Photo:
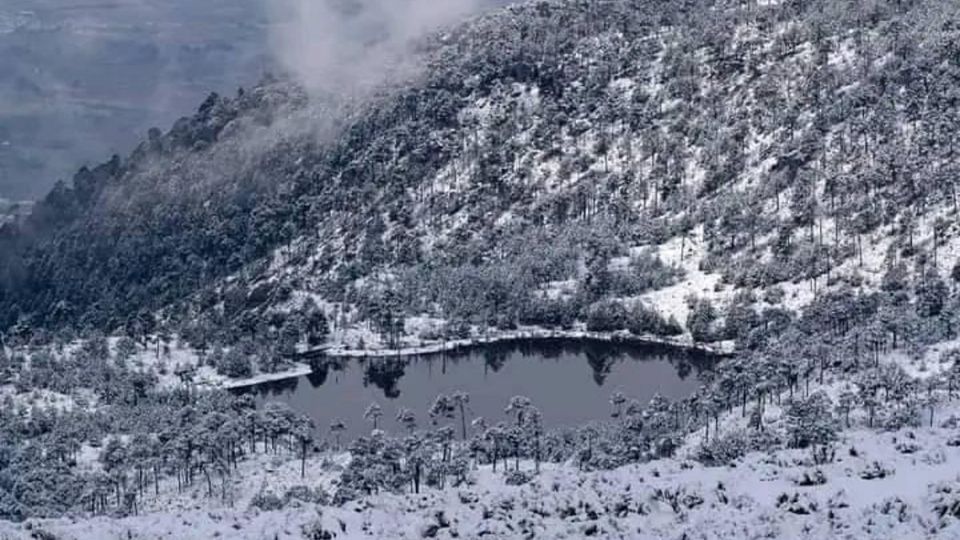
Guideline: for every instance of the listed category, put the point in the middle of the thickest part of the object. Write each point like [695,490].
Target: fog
[346,47]
[83,80]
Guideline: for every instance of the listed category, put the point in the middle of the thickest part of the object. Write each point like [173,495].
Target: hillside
[799,145]
[773,178]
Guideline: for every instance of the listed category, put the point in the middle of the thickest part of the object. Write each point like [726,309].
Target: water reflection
[570,381]
[385,374]
[494,358]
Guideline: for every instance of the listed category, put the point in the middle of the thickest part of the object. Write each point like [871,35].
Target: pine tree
[407,419]
[373,414]
[810,422]
[303,428]
[461,401]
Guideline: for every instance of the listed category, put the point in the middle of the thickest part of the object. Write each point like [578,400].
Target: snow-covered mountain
[774,177]
[787,148]
[83,80]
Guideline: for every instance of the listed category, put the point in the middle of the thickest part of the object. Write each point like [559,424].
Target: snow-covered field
[169,362]
[881,485]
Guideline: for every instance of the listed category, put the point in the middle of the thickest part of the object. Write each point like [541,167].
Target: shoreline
[298,370]
[622,337]
[301,368]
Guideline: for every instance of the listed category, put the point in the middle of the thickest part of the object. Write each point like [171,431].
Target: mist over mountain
[793,139]
[771,185]
[82,81]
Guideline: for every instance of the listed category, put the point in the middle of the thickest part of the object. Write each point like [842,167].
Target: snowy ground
[760,496]
[178,356]
[903,484]
[45,399]
[931,363]
[672,300]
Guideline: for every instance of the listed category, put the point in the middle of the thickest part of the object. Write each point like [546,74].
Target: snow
[263,473]
[178,355]
[759,496]
[672,300]
[750,489]
[44,399]
[298,369]
[930,365]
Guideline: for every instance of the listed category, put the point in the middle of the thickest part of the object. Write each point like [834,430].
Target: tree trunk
[416,478]
[206,475]
[303,459]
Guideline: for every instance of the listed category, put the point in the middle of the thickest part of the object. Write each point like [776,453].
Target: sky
[83,80]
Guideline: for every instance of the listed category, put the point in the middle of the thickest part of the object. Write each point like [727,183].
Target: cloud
[345,48]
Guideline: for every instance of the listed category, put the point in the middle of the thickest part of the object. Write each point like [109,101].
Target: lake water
[570,381]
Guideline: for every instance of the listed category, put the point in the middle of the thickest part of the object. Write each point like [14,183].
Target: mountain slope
[776,175]
[800,144]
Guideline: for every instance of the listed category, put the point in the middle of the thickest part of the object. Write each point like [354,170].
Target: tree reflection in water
[601,358]
[322,368]
[494,359]
[385,374]
[551,372]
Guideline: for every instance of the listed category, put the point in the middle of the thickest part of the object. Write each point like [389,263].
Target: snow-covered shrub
[266,501]
[548,312]
[456,329]
[810,421]
[37,533]
[430,334]
[468,497]
[643,320]
[645,272]
[811,478]
[801,504]
[679,499]
[907,447]
[874,471]
[900,415]
[235,364]
[559,444]
[824,453]
[896,507]
[701,320]
[774,295]
[723,450]
[305,494]
[314,530]
[517,478]
[606,316]
[946,500]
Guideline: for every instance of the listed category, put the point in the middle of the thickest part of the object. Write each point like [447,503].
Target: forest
[776,176]
[144,435]
[841,129]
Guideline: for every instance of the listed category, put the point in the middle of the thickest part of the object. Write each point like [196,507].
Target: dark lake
[569,380]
